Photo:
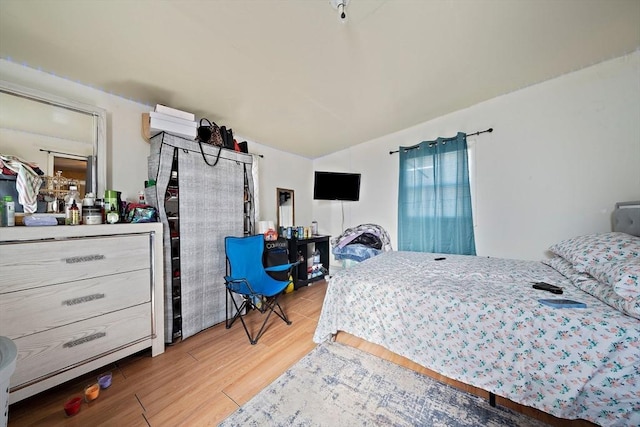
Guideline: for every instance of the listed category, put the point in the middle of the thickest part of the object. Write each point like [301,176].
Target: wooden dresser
[76,298]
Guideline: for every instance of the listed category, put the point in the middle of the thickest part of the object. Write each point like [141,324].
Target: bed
[479,321]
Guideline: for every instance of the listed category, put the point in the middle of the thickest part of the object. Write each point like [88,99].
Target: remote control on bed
[547,287]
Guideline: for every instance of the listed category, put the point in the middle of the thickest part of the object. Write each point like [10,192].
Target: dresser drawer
[62,348]
[41,263]
[29,311]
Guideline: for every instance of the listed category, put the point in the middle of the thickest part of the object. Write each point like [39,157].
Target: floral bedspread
[479,321]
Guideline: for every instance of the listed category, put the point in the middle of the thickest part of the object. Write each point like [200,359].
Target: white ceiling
[287,74]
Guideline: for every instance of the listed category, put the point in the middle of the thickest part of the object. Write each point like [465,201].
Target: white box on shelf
[159,125]
[169,117]
[175,112]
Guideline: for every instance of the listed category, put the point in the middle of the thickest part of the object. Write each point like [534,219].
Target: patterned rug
[338,385]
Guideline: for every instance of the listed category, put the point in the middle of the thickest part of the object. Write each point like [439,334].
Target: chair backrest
[244,255]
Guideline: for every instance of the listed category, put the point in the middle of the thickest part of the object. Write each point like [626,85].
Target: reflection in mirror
[285,202]
[73,168]
[56,134]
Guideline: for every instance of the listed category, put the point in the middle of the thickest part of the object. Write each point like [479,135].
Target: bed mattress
[478,320]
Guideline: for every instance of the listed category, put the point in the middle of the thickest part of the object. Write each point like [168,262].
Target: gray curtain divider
[211,207]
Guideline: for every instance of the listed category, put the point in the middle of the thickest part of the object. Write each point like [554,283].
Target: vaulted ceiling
[288,74]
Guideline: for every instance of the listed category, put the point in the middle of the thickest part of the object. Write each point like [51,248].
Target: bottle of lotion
[8,212]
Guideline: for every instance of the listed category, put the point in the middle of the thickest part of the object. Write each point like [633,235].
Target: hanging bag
[205,157]
[209,133]
[227,138]
[244,146]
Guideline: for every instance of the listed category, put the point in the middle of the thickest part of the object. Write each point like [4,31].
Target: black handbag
[244,146]
[209,133]
[204,157]
[227,138]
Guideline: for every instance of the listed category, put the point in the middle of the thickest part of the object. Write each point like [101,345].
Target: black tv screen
[336,186]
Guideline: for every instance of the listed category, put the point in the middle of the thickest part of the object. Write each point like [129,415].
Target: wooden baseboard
[383,353]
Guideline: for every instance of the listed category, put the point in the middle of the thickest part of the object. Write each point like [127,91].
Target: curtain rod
[66,154]
[469,134]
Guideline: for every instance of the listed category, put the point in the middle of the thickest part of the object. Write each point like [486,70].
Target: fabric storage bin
[8,188]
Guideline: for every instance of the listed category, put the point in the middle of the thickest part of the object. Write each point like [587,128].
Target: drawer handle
[83,340]
[84,258]
[80,300]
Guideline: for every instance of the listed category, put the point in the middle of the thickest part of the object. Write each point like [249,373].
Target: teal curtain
[434,199]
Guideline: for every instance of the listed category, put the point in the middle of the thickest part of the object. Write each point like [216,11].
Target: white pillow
[589,253]
[605,292]
[622,275]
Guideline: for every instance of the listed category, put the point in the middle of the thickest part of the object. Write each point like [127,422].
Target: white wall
[279,169]
[561,154]
[127,151]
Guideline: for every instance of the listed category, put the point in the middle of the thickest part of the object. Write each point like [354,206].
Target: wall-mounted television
[336,186]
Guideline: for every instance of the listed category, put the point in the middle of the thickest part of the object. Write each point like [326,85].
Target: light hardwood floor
[200,381]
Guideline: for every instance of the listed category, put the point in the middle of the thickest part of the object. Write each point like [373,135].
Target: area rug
[338,385]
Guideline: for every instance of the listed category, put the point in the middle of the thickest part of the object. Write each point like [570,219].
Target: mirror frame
[100,119]
[293,205]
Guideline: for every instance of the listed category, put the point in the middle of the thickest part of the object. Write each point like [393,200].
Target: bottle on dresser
[74,214]
[73,196]
[111,206]
[8,208]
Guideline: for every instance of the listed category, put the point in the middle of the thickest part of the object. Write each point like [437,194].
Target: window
[434,212]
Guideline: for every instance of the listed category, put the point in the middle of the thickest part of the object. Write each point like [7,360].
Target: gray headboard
[626,218]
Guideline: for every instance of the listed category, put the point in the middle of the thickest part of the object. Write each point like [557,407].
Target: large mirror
[285,203]
[62,137]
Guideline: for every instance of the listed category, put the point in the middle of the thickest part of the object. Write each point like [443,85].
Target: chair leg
[246,304]
[239,309]
[281,314]
[269,305]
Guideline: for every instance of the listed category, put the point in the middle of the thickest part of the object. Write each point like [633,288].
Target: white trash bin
[8,356]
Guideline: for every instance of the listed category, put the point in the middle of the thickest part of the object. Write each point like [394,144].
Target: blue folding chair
[248,278]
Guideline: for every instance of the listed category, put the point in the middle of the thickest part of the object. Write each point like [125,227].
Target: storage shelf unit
[248,206]
[198,204]
[302,246]
[172,207]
